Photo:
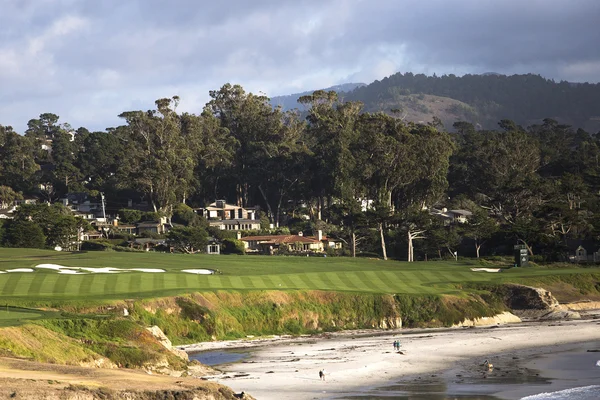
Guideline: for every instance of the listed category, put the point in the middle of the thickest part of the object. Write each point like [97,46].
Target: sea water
[214,358]
[580,393]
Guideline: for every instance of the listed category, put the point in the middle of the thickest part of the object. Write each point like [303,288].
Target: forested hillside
[371,179]
[488,98]
[290,101]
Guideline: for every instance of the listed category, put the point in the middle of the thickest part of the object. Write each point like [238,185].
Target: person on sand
[322,374]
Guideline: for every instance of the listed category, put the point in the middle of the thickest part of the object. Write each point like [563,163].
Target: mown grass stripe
[336,281]
[61,284]
[375,278]
[326,278]
[180,280]
[247,282]
[366,283]
[110,283]
[306,284]
[135,283]
[297,281]
[235,282]
[86,286]
[37,283]
[287,283]
[316,281]
[349,279]
[269,282]
[11,283]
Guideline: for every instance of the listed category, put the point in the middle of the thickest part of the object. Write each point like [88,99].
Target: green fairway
[11,316]
[239,273]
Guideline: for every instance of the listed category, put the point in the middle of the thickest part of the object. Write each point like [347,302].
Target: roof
[234,221]
[462,212]
[277,239]
[150,224]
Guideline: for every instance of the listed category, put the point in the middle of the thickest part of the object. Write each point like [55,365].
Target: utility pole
[103,207]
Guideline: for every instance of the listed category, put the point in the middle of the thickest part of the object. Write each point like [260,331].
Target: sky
[89,60]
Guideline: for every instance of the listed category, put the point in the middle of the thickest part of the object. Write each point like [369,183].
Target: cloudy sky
[89,60]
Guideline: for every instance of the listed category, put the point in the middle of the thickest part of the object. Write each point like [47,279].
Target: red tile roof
[277,239]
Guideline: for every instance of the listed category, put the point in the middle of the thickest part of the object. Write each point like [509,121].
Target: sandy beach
[360,363]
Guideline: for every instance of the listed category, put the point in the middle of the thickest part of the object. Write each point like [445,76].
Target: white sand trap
[146,270]
[20,270]
[71,272]
[2,272]
[486,269]
[51,266]
[103,270]
[199,271]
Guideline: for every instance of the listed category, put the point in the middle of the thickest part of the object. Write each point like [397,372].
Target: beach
[364,364]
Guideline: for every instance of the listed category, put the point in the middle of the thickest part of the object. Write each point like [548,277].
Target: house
[213,246]
[80,202]
[159,227]
[90,235]
[452,216]
[230,217]
[270,244]
[7,213]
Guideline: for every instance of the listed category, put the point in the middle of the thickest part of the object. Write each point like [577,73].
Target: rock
[164,340]
[503,318]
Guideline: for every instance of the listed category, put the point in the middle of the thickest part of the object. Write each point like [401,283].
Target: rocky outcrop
[499,319]
[535,303]
[164,340]
[390,323]
[583,305]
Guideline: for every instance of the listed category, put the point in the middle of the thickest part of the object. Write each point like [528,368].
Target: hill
[290,101]
[489,98]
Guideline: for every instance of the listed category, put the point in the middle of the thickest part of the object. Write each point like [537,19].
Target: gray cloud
[89,61]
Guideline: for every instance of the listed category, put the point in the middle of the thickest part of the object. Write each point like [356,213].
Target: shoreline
[359,361]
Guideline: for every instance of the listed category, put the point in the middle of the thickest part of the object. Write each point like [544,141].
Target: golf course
[160,275]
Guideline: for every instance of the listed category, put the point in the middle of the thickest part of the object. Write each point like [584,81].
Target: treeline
[521,98]
[369,179]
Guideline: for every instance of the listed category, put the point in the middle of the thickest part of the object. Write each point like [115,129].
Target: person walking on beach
[395,345]
[322,374]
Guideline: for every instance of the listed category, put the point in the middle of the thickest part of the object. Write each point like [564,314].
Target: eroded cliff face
[530,303]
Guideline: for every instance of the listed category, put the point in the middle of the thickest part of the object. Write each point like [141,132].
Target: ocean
[580,393]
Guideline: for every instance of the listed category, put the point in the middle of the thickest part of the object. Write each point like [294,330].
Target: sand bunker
[71,272]
[104,270]
[486,269]
[51,266]
[146,270]
[61,269]
[199,271]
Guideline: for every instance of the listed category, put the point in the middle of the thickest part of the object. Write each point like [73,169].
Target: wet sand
[434,363]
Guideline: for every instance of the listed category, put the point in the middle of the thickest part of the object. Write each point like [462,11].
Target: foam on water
[580,393]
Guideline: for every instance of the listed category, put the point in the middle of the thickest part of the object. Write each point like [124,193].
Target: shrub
[232,246]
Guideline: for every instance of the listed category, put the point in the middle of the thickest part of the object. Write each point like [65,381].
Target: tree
[8,196]
[187,239]
[480,227]
[162,155]
[26,234]
[17,162]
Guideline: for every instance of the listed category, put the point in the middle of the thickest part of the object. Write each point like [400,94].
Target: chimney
[319,235]
[300,233]
[238,235]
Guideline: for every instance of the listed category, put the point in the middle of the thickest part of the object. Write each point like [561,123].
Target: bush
[96,245]
[232,246]
[23,233]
